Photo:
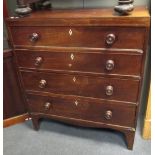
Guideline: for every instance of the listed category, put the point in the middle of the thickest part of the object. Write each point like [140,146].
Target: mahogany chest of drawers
[83,67]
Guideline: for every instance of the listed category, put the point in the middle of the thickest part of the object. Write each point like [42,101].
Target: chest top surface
[84,17]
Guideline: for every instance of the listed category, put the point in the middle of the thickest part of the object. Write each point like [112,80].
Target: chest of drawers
[83,67]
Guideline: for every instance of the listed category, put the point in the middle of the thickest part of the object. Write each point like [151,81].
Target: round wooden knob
[47,105]
[38,61]
[42,83]
[108,114]
[34,37]
[110,39]
[109,90]
[110,65]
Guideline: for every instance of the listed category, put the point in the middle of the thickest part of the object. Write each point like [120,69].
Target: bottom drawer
[82,108]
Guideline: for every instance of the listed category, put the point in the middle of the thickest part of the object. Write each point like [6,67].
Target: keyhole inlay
[76,103]
[74,78]
[70,32]
[72,56]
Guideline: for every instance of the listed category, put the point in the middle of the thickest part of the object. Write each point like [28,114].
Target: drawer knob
[108,114]
[34,37]
[38,61]
[109,90]
[47,105]
[42,83]
[110,65]
[110,39]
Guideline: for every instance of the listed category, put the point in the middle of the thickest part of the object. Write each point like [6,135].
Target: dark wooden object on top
[83,67]
[13,104]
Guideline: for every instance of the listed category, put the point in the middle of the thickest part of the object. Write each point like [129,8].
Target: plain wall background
[97,4]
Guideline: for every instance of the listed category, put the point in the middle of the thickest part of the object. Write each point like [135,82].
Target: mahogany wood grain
[77,39]
[83,61]
[84,17]
[85,109]
[80,37]
[13,104]
[5,9]
[128,131]
[89,86]
[129,135]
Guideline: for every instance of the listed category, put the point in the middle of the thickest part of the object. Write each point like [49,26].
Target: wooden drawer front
[80,61]
[108,112]
[98,87]
[78,36]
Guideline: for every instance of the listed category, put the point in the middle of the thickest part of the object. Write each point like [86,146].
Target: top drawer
[100,37]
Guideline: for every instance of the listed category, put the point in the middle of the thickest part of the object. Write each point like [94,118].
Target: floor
[55,138]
